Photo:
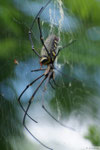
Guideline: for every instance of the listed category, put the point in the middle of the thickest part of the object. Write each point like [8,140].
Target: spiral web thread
[52,14]
[58,5]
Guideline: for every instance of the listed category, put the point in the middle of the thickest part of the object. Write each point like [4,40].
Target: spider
[47,57]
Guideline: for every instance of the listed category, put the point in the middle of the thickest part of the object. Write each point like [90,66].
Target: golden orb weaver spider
[48,55]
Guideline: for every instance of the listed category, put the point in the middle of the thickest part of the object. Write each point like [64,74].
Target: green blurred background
[79,92]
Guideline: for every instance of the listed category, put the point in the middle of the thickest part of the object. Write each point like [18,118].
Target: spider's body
[51,44]
[49,52]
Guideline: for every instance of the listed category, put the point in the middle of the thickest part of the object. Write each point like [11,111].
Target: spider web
[69,103]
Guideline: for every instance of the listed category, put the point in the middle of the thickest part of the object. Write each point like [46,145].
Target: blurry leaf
[87,10]
[7,47]
[94,135]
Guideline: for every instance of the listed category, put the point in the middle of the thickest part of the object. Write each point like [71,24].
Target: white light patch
[55,136]
[61,16]
[55,16]
[94,33]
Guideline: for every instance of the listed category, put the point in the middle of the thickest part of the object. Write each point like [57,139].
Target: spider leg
[30,38]
[24,92]
[56,119]
[55,83]
[39,13]
[24,118]
[41,36]
[71,42]
[43,106]
[51,85]
[30,31]
[42,69]
[60,72]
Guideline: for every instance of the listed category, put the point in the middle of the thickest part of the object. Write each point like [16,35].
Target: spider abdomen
[51,44]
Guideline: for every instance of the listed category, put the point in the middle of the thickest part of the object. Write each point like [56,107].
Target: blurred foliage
[14,44]
[94,135]
[9,123]
[76,93]
[85,50]
[86,10]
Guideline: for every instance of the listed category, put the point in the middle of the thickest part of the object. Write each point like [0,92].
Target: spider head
[44,60]
[56,39]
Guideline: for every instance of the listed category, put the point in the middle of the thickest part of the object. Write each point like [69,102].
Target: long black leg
[30,31]
[23,93]
[55,83]
[42,69]
[56,119]
[39,13]
[30,101]
[41,36]
[43,106]
[51,85]
[30,38]
[60,72]
[71,42]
